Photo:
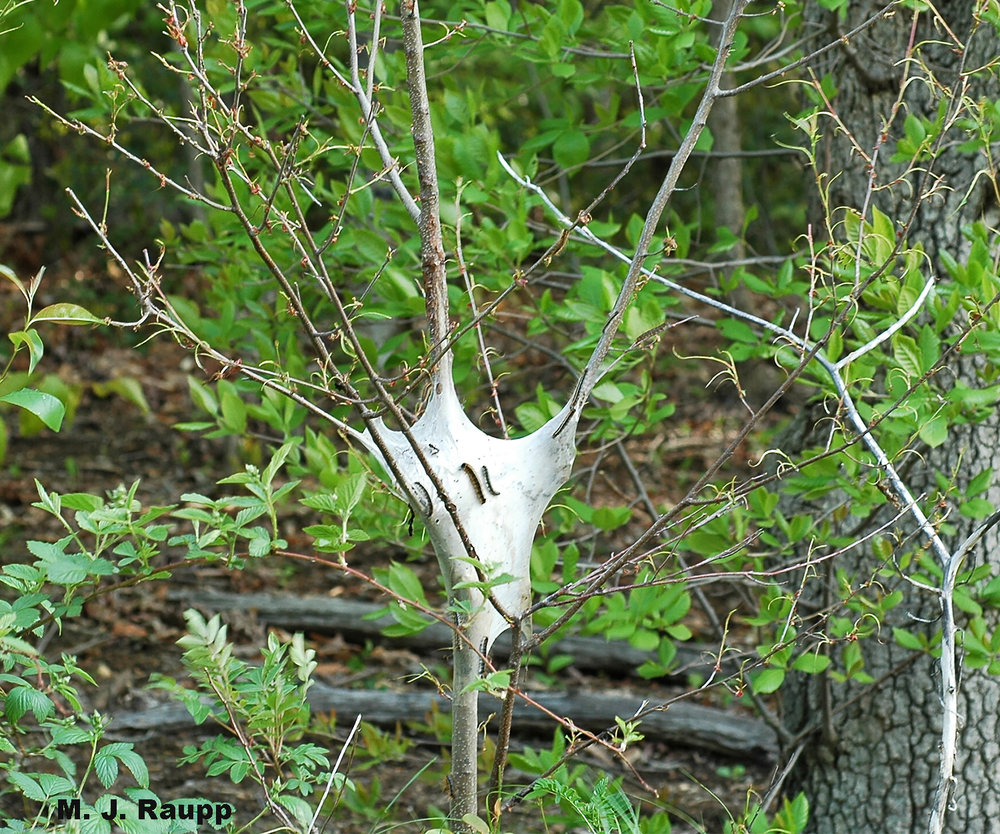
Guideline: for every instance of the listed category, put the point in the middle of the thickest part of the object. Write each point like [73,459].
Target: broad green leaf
[202,396]
[767,681]
[811,663]
[44,406]
[934,432]
[498,14]
[66,313]
[126,387]
[106,767]
[22,699]
[907,355]
[571,149]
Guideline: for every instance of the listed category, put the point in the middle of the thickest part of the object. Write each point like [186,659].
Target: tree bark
[871,761]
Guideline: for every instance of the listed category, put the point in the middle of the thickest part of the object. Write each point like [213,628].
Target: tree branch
[435,279]
[593,371]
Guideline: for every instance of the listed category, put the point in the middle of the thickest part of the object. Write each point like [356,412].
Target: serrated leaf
[29,786]
[299,808]
[105,768]
[22,699]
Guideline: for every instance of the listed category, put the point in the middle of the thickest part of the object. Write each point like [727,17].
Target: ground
[126,636]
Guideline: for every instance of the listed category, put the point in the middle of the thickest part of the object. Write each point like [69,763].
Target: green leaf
[8,273]
[980,483]
[572,148]
[29,786]
[907,639]
[126,387]
[767,681]
[44,406]
[202,396]
[976,508]
[66,313]
[21,699]
[934,432]
[811,663]
[907,354]
[234,411]
[571,14]
[611,518]
[106,767]
[33,342]
[300,809]
[738,331]
[82,501]
[498,14]
[15,168]
[277,461]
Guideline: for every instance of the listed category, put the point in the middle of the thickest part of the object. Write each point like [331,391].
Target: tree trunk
[871,762]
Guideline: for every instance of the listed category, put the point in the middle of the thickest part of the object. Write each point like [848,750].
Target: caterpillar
[476,486]
[426,505]
[482,656]
[489,485]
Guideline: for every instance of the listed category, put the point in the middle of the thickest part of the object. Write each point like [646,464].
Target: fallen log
[681,724]
[355,621]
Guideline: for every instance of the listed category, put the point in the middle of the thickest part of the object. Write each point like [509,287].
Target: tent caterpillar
[476,486]
[482,655]
[489,484]
[424,497]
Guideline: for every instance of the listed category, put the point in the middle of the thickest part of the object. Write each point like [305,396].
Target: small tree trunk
[466,665]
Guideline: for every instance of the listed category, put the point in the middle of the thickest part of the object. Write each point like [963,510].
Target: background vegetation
[250,175]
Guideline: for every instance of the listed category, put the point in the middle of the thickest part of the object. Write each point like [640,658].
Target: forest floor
[125,637]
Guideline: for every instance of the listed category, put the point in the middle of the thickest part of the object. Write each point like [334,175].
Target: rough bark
[871,763]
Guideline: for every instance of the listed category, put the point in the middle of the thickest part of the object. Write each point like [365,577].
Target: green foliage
[554,110]
[608,810]
[54,749]
[45,401]
[263,706]
[16,169]
[790,819]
